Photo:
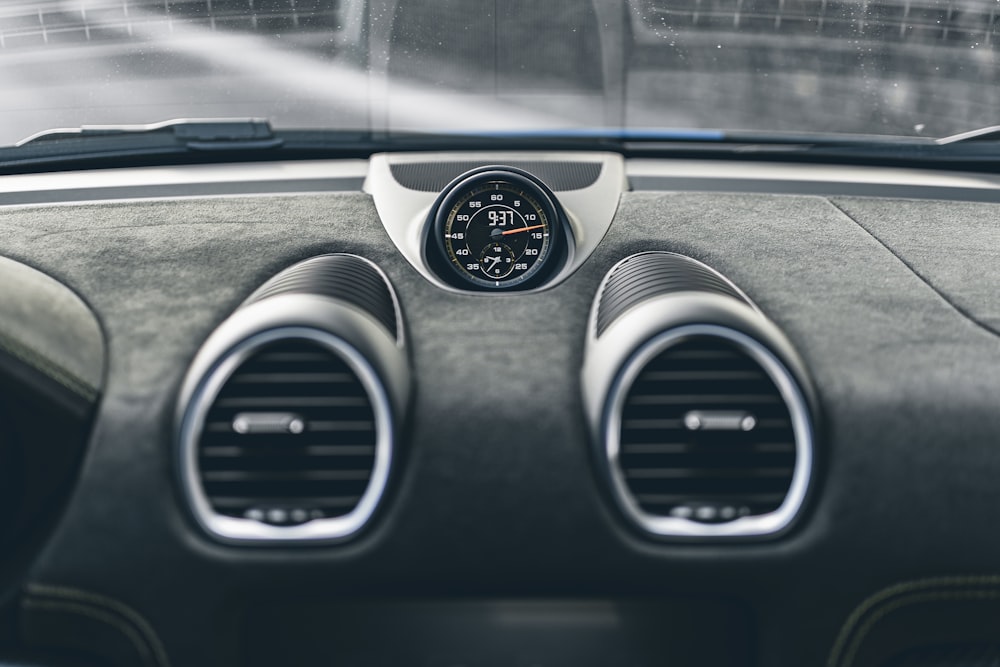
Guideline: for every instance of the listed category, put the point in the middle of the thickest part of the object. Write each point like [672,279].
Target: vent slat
[713,450]
[283,476]
[704,399]
[287,378]
[678,424]
[313,426]
[699,354]
[277,476]
[703,375]
[334,426]
[242,503]
[229,451]
[266,490]
[672,468]
[261,403]
[674,499]
[294,356]
[706,473]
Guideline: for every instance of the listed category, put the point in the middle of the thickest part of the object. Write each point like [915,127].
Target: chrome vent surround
[287,418]
[701,430]
[290,437]
[700,407]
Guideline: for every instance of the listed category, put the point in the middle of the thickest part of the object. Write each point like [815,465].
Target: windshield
[880,67]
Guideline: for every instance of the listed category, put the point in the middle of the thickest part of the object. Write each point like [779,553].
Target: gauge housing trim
[404,212]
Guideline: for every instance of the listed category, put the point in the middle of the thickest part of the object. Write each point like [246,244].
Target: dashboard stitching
[960,310]
[83,610]
[909,593]
[76,601]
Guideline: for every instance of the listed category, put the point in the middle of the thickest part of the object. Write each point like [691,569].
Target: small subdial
[497,260]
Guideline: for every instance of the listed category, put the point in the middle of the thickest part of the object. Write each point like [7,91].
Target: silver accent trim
[763,524]
[711,170]
[201,174]
[243,530]
[404,212]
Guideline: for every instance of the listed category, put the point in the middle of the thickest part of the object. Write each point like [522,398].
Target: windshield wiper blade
[988,133]
[228,134]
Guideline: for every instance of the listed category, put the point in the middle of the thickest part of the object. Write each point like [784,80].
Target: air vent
[288,416]
[708,435]
[289,439]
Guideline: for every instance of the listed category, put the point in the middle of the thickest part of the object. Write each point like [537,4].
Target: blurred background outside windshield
[903,67]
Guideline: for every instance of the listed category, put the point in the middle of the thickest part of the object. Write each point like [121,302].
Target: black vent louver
[290,437]
[706,434]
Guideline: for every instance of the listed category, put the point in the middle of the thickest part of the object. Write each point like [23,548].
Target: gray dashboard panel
[951,245]
[905,382]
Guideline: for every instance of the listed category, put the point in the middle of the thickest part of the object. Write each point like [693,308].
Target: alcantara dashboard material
[907,386]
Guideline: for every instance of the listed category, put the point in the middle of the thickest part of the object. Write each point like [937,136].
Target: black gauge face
[497,231]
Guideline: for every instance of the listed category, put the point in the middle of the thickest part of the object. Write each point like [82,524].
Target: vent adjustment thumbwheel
[290,410]
[699,406]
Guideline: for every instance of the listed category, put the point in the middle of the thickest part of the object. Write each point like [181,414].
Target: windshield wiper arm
[227,134]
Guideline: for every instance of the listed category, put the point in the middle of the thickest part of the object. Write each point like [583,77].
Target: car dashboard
[503,494]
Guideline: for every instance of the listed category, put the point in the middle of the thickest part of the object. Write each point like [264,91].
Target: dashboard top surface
[888,301]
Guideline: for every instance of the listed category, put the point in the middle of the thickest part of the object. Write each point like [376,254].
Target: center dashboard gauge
[496,228]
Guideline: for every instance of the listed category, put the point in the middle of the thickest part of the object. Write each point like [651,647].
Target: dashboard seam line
[133,635]
[944,297]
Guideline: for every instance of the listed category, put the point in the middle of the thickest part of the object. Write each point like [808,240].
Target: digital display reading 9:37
[497,233]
